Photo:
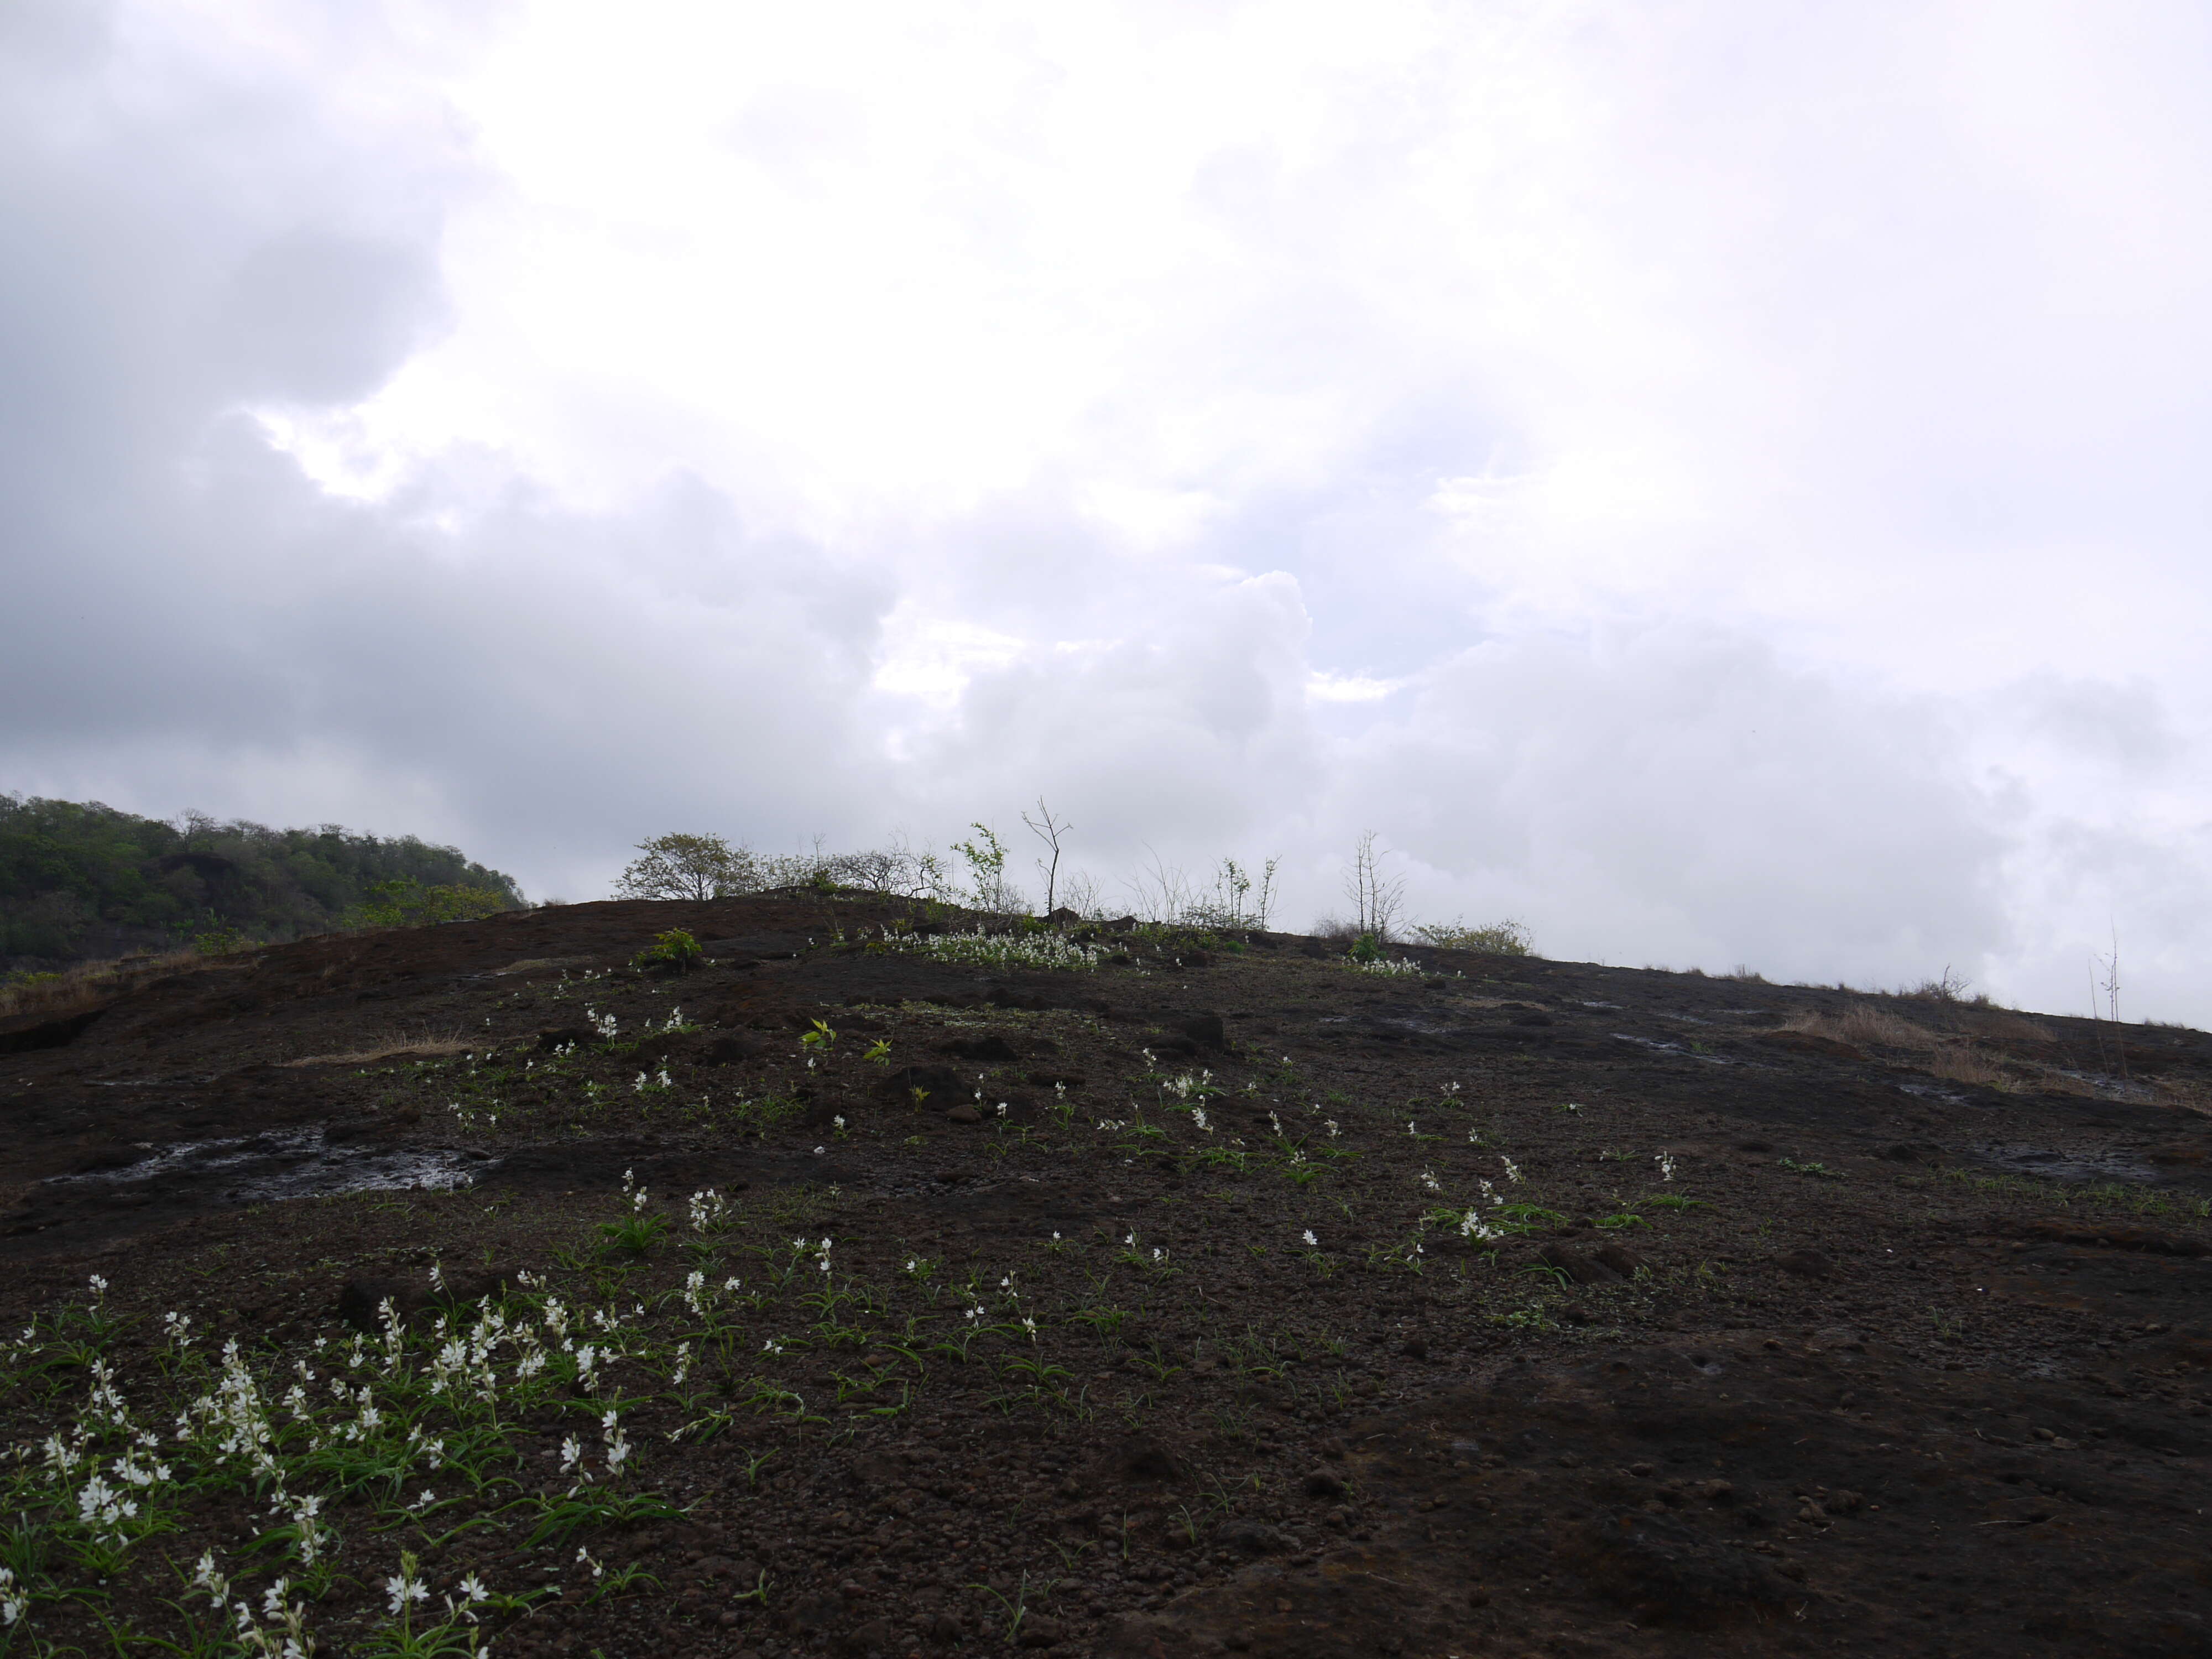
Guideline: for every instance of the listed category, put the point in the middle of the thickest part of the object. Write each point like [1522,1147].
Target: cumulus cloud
[1681,479]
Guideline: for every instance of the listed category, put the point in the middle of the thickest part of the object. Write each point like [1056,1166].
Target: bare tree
[1376,899]
[1162,892]
[1079,892]
[1049,831]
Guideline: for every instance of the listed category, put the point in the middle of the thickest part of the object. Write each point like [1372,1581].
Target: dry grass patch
[1955,1062]
[2001,1025]
[75,988]
[1863,1026]
[423,1046]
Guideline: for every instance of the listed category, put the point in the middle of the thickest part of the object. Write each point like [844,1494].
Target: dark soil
[1876,1359]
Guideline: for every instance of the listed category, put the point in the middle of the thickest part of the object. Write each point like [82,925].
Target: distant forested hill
[81,880]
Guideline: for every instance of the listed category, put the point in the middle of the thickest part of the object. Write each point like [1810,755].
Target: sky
[1722,484]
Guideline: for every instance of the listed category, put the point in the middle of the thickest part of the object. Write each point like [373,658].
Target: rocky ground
[1148,1294]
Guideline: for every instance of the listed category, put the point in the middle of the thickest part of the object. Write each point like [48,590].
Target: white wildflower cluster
[232,1419]
[982,950]
[700,1296]
[15,1601]
[1473,1224]
[1512,1171]
[1187,1085]
[615,1444]
[1665,1163]
[710,1212]
[462,1362]
[1388,965]
[602,1023]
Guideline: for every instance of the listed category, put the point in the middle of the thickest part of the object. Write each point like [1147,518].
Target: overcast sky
[1721,482]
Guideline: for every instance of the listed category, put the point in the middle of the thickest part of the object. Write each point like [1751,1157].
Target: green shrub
[408,903]
[1499,939]
[218,938]
[674,950]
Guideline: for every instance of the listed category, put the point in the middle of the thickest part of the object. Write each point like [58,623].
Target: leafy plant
[674,951]
[1818,1171]
[1498,939]
[634,1234]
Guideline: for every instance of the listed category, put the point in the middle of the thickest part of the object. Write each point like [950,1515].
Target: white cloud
[1723,483]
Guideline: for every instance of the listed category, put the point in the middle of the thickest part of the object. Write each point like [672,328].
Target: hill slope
[1175,1300]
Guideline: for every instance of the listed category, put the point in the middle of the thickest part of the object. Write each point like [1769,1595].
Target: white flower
[1312,1243]
[403,1590]
[1512,1171]
[473,1590]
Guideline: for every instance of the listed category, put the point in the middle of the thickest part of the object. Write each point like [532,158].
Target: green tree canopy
[81,879]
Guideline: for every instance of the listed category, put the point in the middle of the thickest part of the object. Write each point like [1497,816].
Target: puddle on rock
[1675,1049]
[2067,1166]
[2106,1087]
[290,1163]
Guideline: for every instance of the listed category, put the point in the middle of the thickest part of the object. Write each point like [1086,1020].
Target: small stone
[1250,1538]
[963,1114]
[873,1636]
[1323,1483]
